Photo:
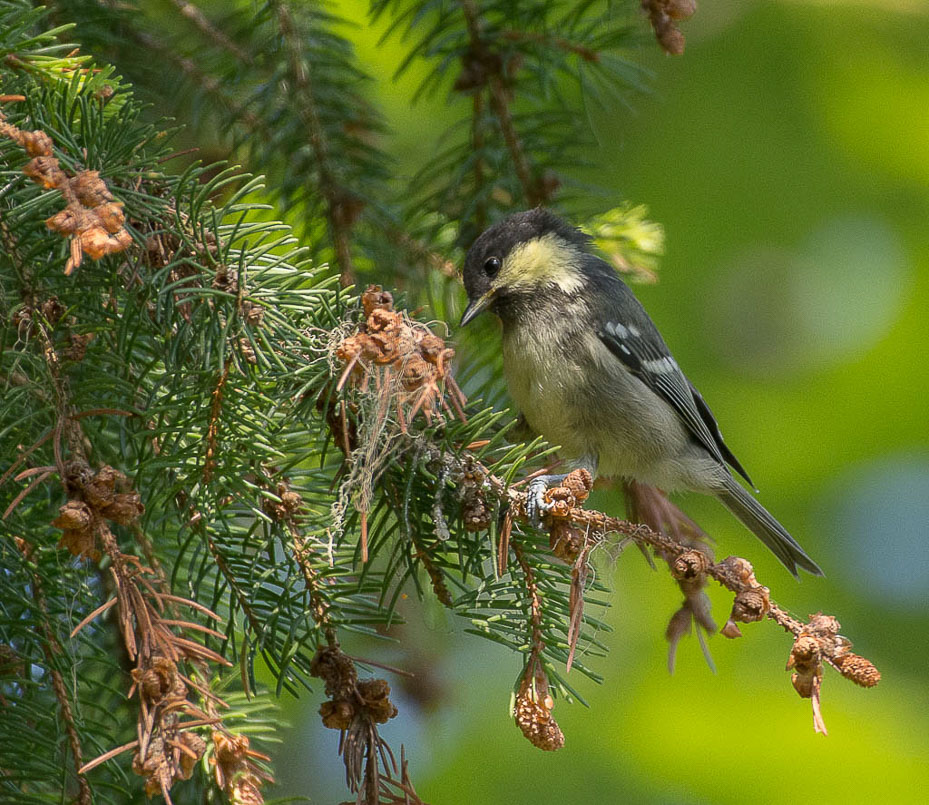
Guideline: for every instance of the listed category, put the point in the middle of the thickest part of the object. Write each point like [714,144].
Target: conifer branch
[339,209]
[477,146]
[489,65]
[191,12]
[210,84]
[52,648]
[534,194]
[588,54]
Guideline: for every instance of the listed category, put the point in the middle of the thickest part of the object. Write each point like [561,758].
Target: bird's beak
[476,307]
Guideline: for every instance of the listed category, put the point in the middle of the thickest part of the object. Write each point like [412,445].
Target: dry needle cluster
[105,494]
[399,369]
[356,707]
[167,660]
[92,217]
[170,663]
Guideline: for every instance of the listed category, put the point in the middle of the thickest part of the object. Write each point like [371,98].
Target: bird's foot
[536,505]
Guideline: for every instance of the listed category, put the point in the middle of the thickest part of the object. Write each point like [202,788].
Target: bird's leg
[536,505]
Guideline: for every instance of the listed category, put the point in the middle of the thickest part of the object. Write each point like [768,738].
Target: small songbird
[590,372]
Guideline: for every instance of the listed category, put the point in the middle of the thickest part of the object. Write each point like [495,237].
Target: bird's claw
[536,504]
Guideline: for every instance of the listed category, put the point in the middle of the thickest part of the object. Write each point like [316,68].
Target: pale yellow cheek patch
[543,261]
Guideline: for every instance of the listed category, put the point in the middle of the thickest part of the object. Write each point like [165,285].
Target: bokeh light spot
[879,517]
[795,311]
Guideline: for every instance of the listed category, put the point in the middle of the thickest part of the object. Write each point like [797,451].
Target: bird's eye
[492,266]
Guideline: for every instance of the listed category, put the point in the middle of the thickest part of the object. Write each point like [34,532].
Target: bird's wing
[643,352]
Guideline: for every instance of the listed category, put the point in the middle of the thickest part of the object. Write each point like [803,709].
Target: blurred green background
[787,156]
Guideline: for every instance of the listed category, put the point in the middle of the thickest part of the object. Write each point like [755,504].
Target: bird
[589,371]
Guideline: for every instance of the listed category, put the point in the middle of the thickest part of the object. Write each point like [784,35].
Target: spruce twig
[338,209]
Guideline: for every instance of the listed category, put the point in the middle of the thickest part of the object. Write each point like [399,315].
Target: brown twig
[817,640]
[51,647]
[200,21]
[535,602]
[338,212]
[212,432]
[690,565]
[500,103]
[553,41]
[533,709]
[319,607]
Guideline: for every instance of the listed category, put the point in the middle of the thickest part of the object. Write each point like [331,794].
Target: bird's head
[527,254]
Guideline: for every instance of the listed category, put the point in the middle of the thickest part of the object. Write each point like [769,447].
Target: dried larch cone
[74,515]
[533,714]
[125,508]
[37,143]
[806,661]
[376,298]
[475,513]
[192,749]
[573,490]
[159,680]
[154,767]
[75,518]
[77,346]
[351,699]
[337,714]
[690,565]
[337,670]
[663,15]
[566,540]
[750,605]
[415,361]
[90,189]
[375,693]
[236,773]
[288,509]
[859,670]
[92,217]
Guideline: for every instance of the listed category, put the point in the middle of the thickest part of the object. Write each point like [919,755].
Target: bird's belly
[584,400]
[545,389]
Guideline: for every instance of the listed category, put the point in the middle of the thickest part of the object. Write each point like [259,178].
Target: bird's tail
[760,522]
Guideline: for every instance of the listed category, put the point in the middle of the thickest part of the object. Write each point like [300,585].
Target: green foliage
[203,362]
[511,70]
[137,348]
[199,362]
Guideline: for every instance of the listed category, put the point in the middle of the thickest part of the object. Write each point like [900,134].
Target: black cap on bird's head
[499,261]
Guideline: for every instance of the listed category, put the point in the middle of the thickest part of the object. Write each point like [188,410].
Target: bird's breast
[545,379]
[576,394]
